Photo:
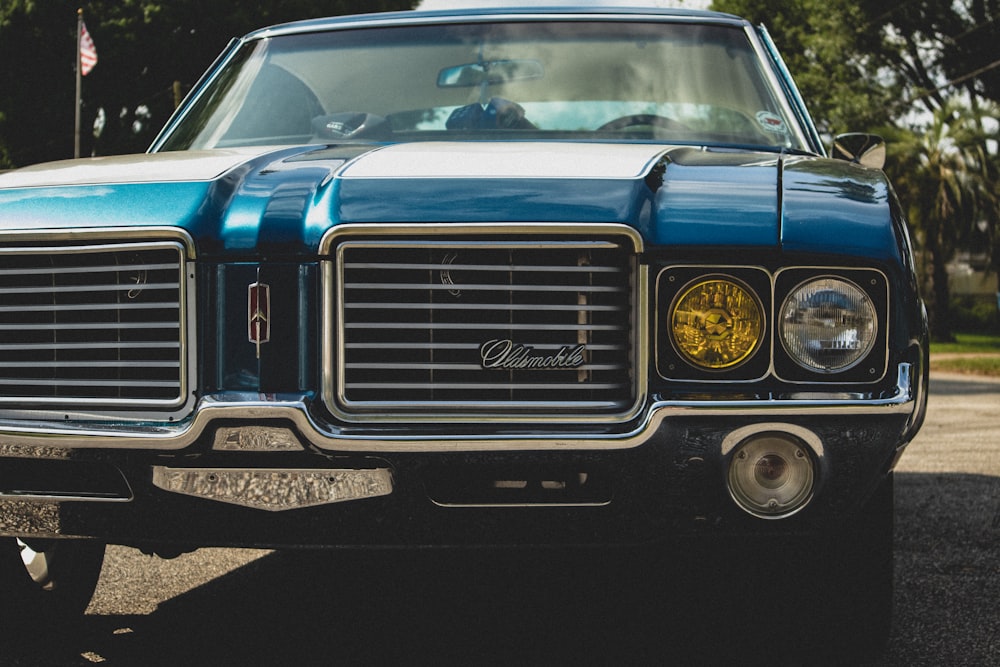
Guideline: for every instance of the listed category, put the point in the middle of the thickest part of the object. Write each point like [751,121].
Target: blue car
[508,278]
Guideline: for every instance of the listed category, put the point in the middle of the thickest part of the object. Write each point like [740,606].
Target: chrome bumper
[26,438]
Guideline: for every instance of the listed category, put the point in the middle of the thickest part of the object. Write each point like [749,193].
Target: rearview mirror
[489,72]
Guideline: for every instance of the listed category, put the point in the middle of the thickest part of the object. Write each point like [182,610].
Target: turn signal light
[771,476]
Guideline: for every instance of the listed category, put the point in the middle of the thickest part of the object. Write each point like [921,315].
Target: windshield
[677,82]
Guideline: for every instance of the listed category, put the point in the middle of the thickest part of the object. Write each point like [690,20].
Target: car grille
[92,325]
[507,327]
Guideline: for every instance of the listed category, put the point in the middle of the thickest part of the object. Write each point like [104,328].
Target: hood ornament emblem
[259,314]
[446,278]
[139,281]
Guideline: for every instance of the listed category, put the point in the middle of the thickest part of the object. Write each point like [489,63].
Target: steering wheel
[640,119]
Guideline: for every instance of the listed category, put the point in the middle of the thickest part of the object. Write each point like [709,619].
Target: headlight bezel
[871,366]
[770,358]
[672,284]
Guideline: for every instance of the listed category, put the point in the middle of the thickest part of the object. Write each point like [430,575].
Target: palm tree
[946,179]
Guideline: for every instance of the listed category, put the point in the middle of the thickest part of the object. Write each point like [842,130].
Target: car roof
[506,11]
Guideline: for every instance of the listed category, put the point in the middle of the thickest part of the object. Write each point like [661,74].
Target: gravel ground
[947,608]
[247,607]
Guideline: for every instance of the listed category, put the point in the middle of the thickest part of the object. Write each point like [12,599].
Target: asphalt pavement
[947,608]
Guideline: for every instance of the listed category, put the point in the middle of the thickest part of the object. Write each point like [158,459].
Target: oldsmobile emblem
[259,314]
[505,354]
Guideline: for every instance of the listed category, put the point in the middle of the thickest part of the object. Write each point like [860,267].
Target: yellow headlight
[716,323]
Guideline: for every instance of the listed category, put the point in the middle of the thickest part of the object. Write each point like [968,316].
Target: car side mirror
[868,150]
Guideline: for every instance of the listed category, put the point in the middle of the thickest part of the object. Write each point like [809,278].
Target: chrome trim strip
[463,16]
[430,229]
[784,78]
[83,327]
[87,269]
[67,498]
[294,409]
[88,307]
[502,506]
[92,234]
[813,441]
[777,84]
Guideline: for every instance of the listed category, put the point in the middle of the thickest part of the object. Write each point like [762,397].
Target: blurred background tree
[949,182]
[143,47]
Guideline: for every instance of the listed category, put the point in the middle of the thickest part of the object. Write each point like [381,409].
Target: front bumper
[908,397]
[663,478]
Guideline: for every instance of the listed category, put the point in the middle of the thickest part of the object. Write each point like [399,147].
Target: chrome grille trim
[97,321]
[416,356]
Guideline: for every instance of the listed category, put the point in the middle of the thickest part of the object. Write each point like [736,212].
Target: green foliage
[969,343]
[143,47]
[832,53]
[923,73]
[986,365]
[940,48]
[848,54]
[30,104]
[946,180]
[976,313]
[969,353]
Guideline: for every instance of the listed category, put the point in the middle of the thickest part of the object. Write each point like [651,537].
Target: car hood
[249,201]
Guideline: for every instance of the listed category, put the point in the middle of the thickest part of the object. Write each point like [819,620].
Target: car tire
[45,584]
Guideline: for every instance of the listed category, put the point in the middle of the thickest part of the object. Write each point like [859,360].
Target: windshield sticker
[771,122]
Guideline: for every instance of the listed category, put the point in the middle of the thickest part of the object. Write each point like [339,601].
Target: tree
[944,56]
[30,106]
[939,48]
[946,180]
[931,72]
[832,53]
[143,46]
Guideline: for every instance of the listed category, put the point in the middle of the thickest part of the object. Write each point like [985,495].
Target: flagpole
[76,132]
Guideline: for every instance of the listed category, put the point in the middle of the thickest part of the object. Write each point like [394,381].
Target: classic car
[491,277]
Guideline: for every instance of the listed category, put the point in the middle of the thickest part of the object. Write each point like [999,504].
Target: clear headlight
[828,325]
[716,323]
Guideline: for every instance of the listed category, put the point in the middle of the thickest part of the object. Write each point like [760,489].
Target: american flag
[88,52]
